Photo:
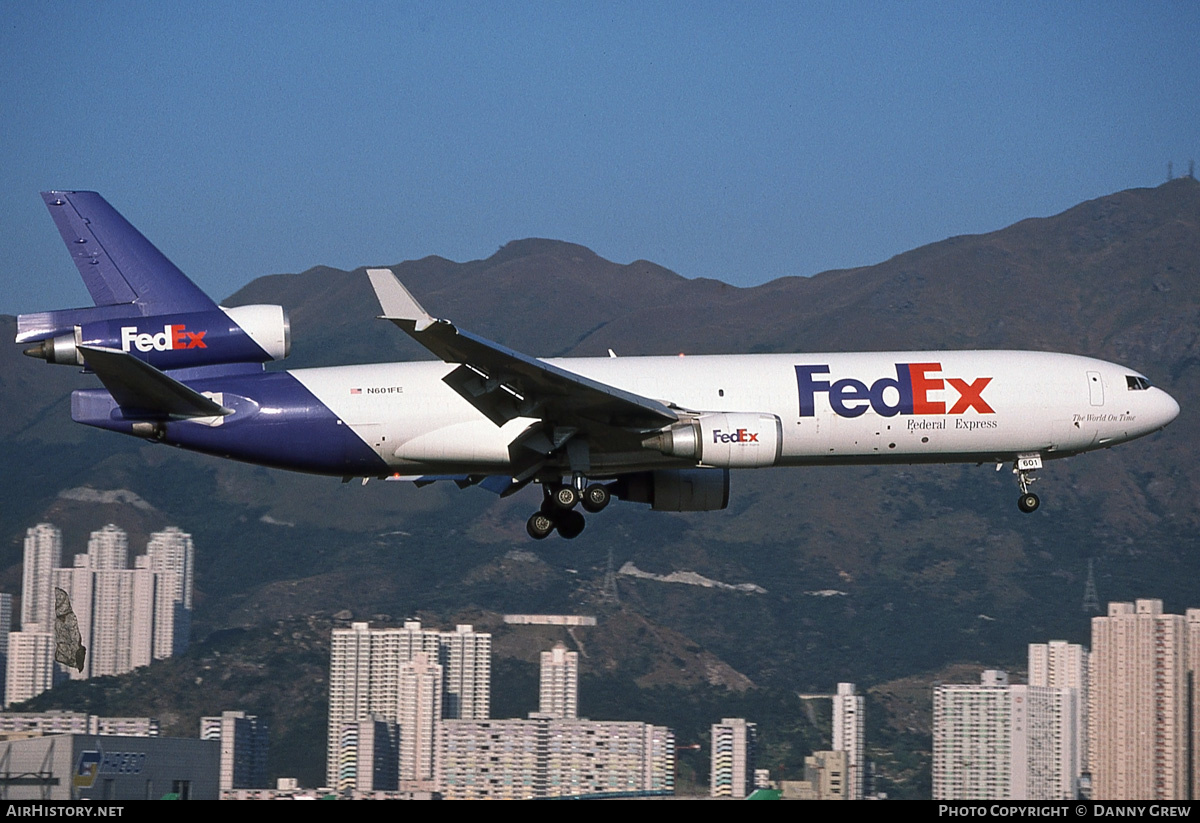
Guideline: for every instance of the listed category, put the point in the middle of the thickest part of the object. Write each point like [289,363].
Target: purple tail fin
[122,270]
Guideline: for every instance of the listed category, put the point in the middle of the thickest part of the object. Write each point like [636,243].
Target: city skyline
[127,616]
[444,675]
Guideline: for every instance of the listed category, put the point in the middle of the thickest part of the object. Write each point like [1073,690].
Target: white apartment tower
[1139,710]
[43,554]
[1062,665]
[558,693]
[553,757]
[466,657]
[420,715]
[113,604]
[972,740]
[733,755]
[849,734]
[5,629]
[365,681]
[171,555]
[127,617]
[1192,622]
[30,669]
[995,741]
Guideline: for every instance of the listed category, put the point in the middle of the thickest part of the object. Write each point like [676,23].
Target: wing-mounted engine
[676,490]
[735,440]
[244,334]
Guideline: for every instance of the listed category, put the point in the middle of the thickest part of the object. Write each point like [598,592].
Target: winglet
[396,301]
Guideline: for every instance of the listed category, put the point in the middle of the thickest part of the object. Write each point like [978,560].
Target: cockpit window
[1135,383]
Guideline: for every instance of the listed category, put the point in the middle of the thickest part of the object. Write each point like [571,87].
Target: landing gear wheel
[570,524]
[1028,502]
[539,525]
[596,497]
[565,497]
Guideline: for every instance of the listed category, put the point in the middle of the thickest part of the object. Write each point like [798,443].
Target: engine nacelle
[735,440]
[244,334]
[676,490]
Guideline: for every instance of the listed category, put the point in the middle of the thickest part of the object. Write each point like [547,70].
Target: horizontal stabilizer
[45,324]
[143,391]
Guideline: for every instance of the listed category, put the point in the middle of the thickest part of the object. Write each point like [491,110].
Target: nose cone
[1163,409]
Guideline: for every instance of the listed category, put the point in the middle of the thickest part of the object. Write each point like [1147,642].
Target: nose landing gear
[558,508]
[1023,468]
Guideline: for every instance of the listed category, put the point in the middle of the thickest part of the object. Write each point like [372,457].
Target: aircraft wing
[504,384]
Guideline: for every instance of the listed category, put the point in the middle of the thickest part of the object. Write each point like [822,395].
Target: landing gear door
[1095,388]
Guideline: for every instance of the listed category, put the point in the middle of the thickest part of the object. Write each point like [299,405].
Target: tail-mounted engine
[734,440]
[245,334]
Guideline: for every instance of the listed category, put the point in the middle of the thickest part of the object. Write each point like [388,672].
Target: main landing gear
[558,508]
[1023,468]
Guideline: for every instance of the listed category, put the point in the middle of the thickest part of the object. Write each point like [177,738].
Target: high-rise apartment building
[5,629]
[129,617]
[243,749]
[1062,665]
[972,740]
[996,741]
[368,756]
[553,757]
[420,714]
[113,604]
[108,549]
[171,555]
[43,554]
[849,735]
[31,668]
[366,683]
[466,657]
[1139,709]
[558,692]
[734,745]
[126,617]
[1192,623]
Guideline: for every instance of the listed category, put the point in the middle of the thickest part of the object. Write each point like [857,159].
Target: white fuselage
[831,408]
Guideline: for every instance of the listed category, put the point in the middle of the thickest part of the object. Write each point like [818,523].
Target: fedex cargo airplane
[665,431]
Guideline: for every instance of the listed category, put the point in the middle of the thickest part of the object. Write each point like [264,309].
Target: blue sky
[738,141]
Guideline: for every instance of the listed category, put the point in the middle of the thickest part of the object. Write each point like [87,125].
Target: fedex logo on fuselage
[170,338]
[910,390]
[739,436]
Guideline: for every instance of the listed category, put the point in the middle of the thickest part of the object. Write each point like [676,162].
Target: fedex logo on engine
[739,436]
[170,338]
[909,392]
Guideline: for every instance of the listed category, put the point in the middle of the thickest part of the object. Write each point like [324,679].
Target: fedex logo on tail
[170,338]
[910,392]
